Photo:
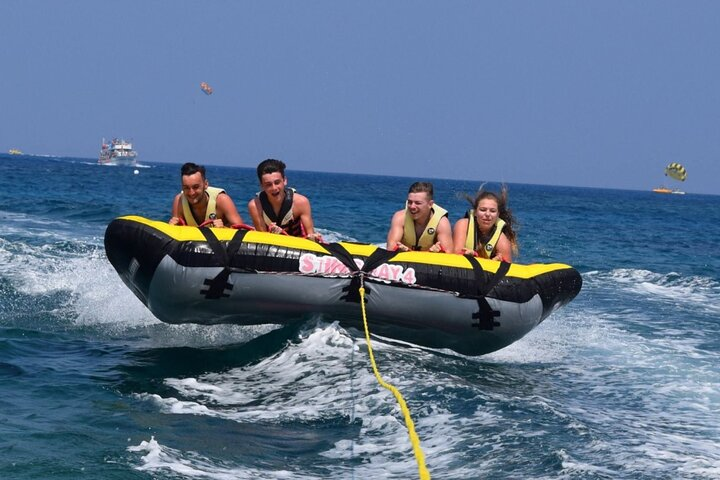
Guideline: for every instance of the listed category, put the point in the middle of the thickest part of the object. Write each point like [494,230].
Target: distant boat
[676,171]
[14,151]
[117,152]
[668,190]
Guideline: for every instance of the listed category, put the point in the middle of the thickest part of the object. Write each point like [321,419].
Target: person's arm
[177,217]
[460,236]
[443,237]
[227,212]
[301,208]
[395,234]
[503,249]
[255,211]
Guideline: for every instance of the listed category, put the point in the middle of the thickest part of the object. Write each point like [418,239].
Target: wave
[697,293]
[324,378]
[321,381]
[157,458]
[63,282]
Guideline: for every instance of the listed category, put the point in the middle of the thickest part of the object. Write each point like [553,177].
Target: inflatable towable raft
[209,276]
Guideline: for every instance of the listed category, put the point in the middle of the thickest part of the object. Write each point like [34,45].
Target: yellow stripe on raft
[193,234]
[459,261]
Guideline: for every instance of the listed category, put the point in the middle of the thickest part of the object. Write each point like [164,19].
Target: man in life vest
[422,225]
[279,208]
[198,203]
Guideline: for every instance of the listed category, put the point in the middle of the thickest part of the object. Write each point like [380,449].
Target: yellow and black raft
[209,276]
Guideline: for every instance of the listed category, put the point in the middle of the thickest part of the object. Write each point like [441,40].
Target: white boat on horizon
[117,152]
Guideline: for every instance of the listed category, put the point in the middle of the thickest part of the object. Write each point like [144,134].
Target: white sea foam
[649,384]
[629,380]
[159,458]
[695,292]
[89,294]
[573,468]
[551,341]
[324,376]
[310,381]
[262,389]
[93,292]
[17,223]
[331,236]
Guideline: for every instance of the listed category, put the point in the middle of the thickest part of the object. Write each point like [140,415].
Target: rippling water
[621,383]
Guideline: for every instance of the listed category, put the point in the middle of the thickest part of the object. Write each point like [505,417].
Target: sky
[582,93]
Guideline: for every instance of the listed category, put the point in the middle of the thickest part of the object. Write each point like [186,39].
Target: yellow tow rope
[419,455]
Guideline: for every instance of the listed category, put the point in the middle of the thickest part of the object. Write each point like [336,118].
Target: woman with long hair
[488,228]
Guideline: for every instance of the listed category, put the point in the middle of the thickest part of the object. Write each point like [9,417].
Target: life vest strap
[284,218]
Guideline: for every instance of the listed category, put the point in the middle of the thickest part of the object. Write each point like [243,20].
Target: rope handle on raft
[282,231]
[242,226]
[417,449]
[211,218]
[407,249]
[499,257]
[236,226]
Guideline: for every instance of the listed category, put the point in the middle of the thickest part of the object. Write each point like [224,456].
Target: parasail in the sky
[206,88]
[676,171]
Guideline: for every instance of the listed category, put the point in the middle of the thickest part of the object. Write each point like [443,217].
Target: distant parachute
[206,88]
[676,171]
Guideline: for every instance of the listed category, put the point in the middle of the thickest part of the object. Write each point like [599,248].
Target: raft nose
[558,288]
[135,253]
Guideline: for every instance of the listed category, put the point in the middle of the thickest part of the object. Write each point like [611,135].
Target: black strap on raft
[377,258]
[339,252]
[485,314]
[352,291]
[221,255]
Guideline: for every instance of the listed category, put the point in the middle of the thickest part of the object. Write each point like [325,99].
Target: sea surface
[622,383]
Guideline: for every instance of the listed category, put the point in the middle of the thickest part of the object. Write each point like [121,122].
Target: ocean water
[624,382]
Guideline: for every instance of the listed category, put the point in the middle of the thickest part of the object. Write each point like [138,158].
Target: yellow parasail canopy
[676,171]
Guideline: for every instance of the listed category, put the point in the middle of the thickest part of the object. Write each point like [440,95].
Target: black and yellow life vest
[284,218]
[212,193]
[427,239]
[474,238]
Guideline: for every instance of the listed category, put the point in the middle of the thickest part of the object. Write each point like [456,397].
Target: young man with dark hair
[279,208]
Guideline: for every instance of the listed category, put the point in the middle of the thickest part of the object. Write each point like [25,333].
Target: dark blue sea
[622,383]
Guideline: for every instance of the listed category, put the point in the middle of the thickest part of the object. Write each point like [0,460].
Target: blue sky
[586,93]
